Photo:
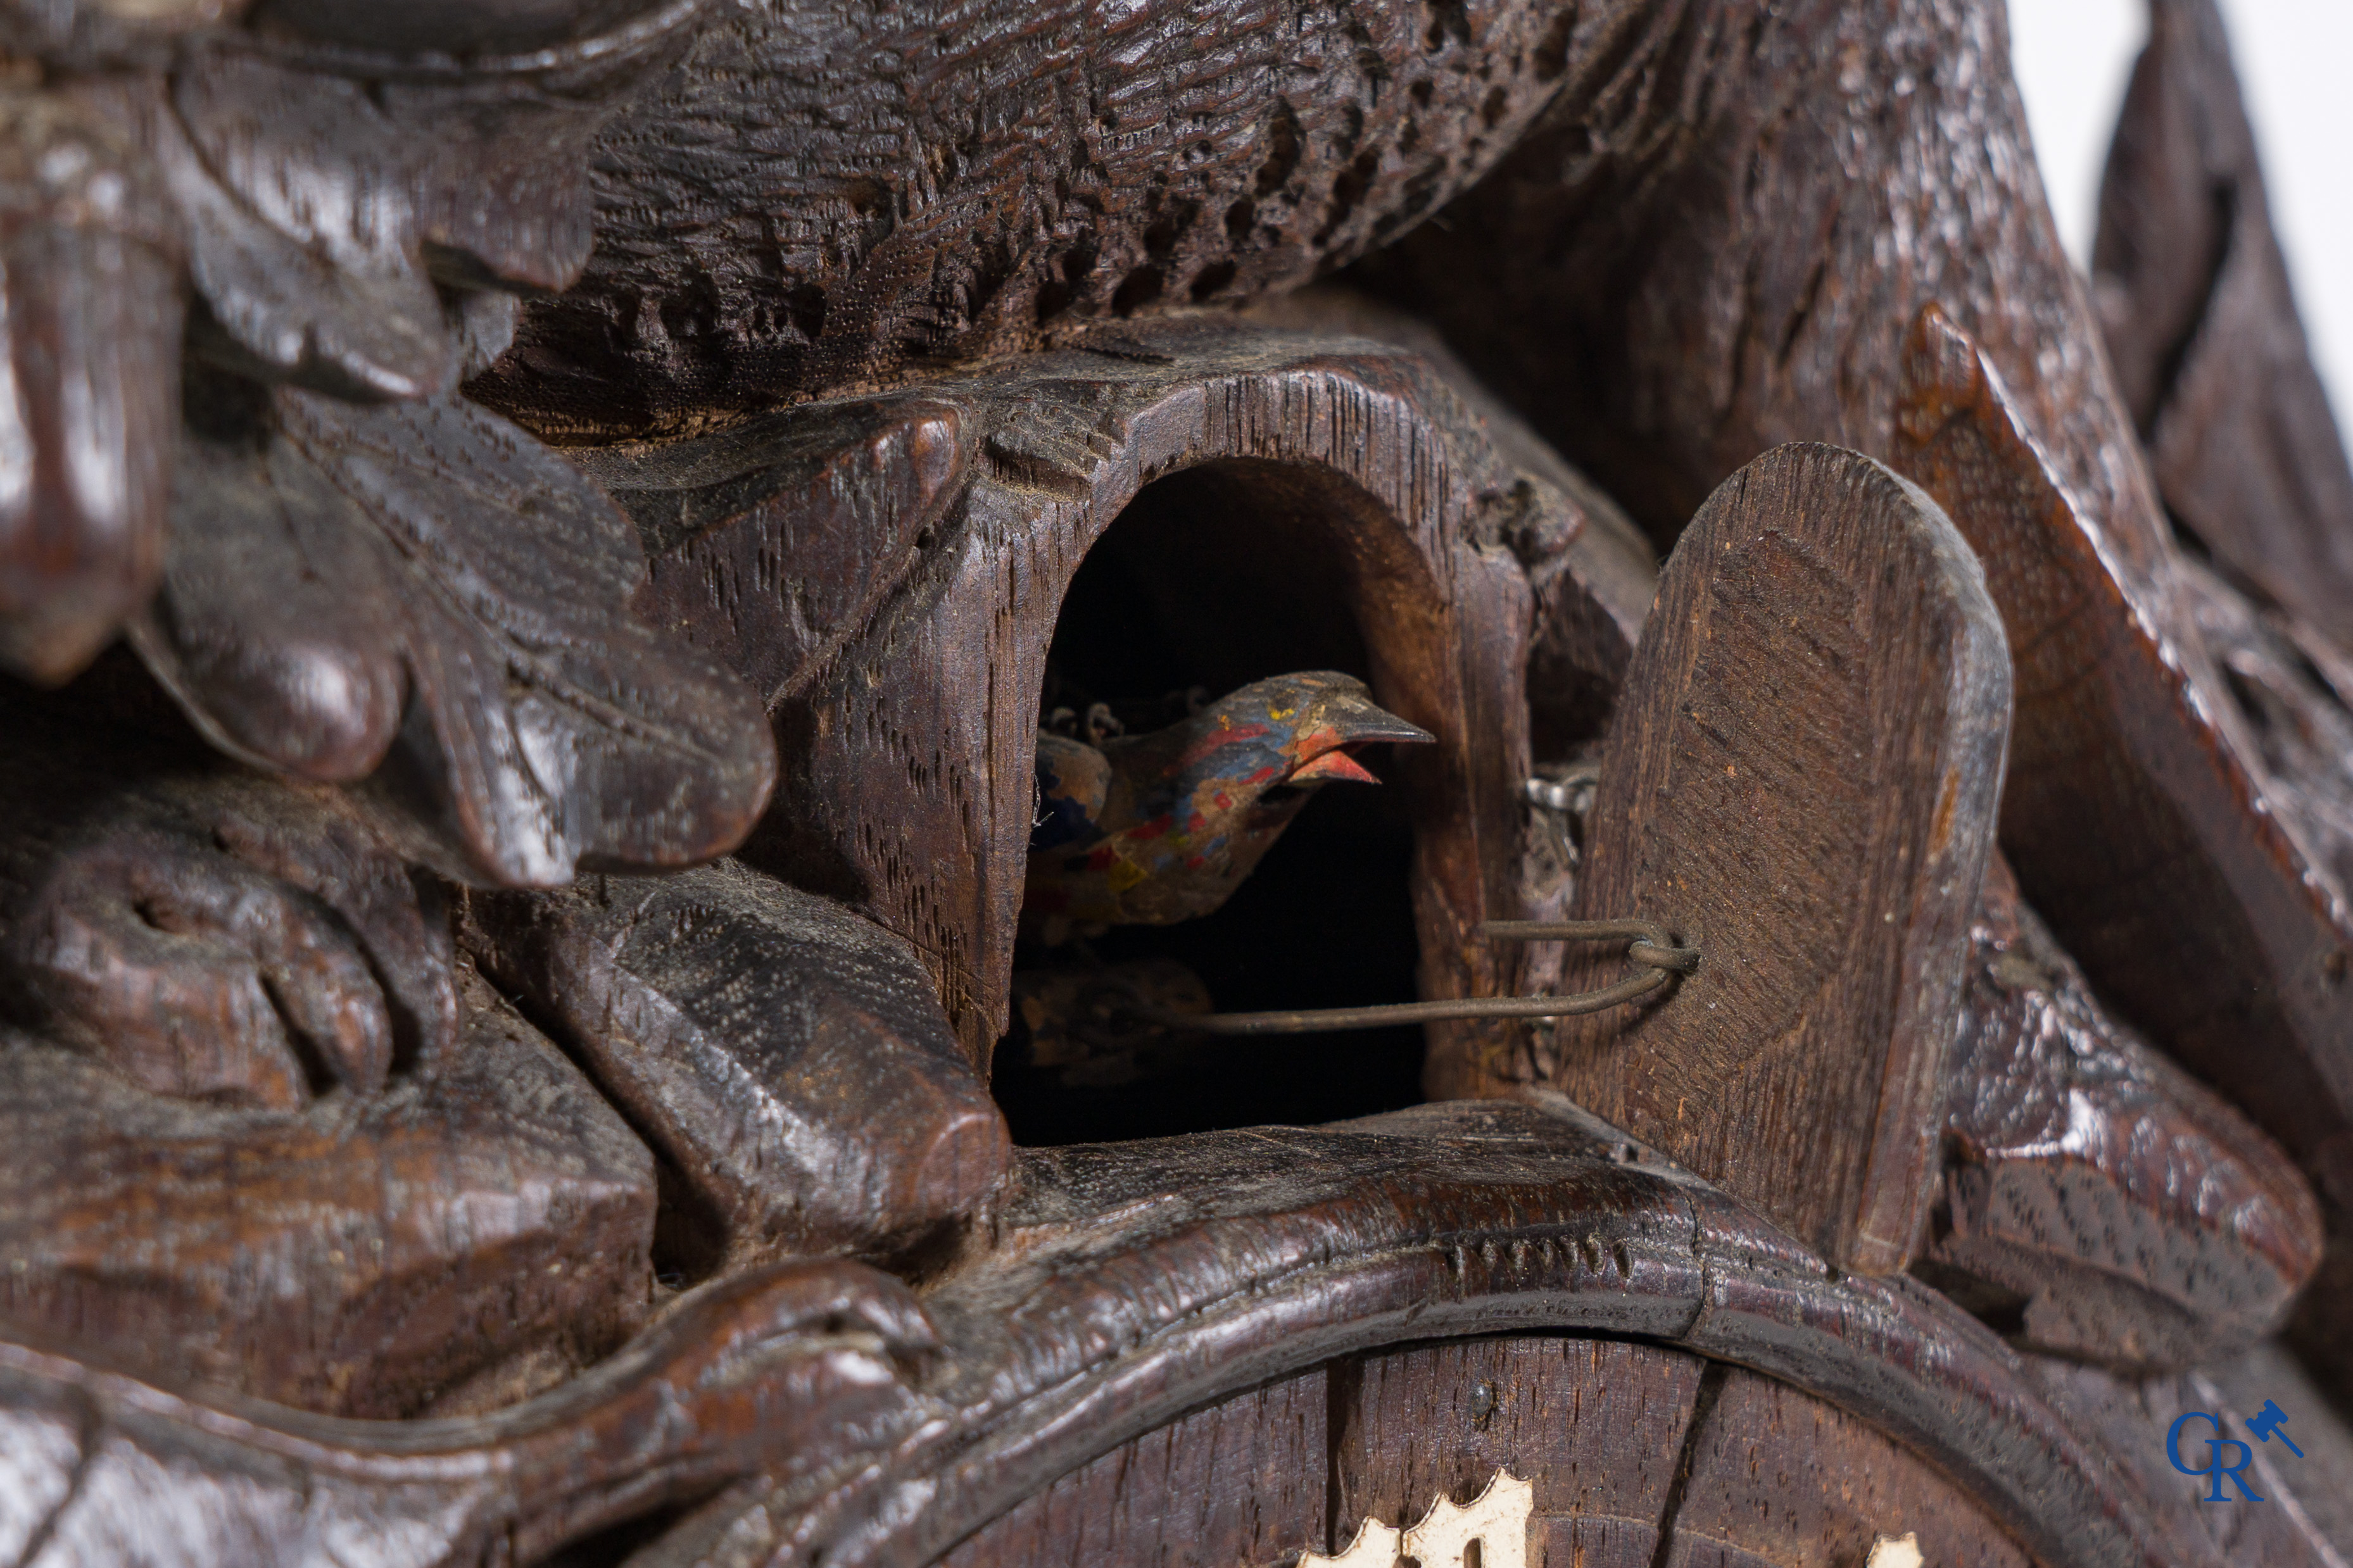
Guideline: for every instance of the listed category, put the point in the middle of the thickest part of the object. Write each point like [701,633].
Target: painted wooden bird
[1151,829]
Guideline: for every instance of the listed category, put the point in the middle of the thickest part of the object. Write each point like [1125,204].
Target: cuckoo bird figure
[1150,829]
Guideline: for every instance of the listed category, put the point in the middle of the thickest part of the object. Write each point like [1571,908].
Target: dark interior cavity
[1213,578]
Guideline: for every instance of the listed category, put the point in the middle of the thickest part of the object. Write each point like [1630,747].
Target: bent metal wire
[1656,956]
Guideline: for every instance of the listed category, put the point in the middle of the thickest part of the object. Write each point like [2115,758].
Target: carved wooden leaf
[2200,321]
[90,327]
[322,194]
[422,595]
[308,273]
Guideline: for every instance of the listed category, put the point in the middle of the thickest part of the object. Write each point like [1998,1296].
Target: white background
[2295,68]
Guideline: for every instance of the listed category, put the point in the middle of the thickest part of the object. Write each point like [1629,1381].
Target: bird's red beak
[1345,722]
[1335,763]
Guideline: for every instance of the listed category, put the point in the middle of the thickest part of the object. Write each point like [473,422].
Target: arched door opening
[1210,579]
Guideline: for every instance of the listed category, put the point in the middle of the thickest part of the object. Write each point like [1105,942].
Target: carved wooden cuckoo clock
[1222,782]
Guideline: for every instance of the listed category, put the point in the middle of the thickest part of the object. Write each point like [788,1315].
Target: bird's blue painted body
[1155,828]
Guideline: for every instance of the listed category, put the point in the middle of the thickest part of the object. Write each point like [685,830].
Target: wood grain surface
[1802,782]
[1772,1475]
[462,1240]
[1244,1482]
[1701,267]
[901,331]
[1717,237]
[2201,320]
[104,1467]
[341,196]
[1593,572]
[1472,1217]
[418,598]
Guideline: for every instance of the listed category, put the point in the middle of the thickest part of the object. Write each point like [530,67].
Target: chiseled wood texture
[1700,269]
[2201,324]
[826,192]
[1801,781]
[770,548]
[1708,273]
[1717,237]
[2131,1216]
[1623,1443]
[2137,814]
[1595,1426]
[260,1129]
[323,180]
[2287,682]
[1243,1482]
[787,1057]
[272,144]
[1356,496]
[459,28]
[856,198]
[799,1364]
[204,933]
[822,1409]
